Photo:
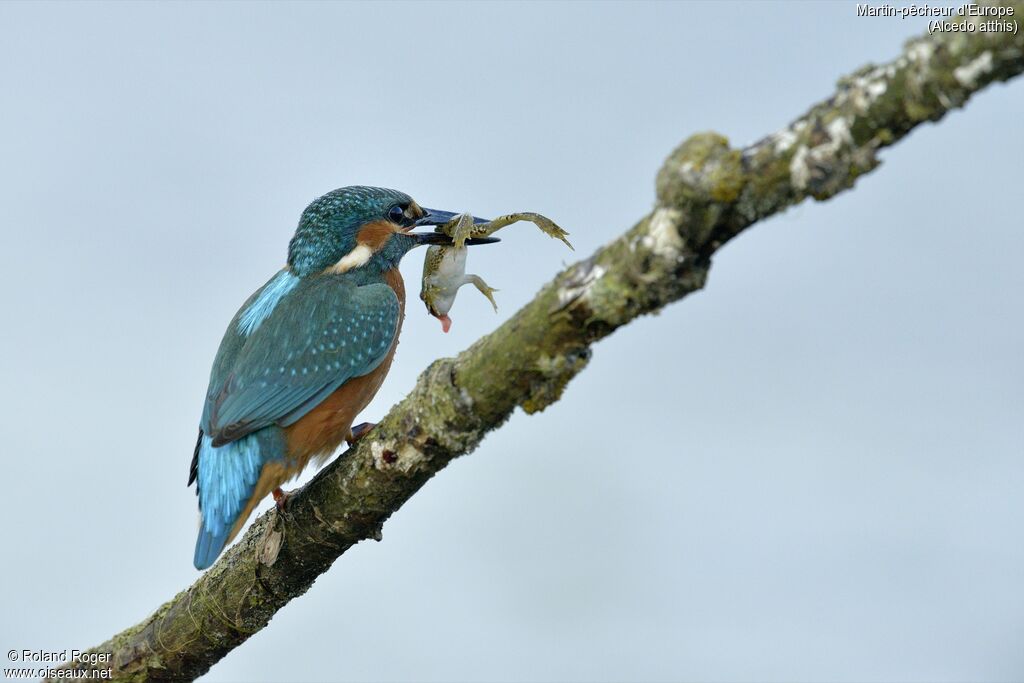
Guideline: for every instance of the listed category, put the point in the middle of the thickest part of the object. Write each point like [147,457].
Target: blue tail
[227,477]
[208,546]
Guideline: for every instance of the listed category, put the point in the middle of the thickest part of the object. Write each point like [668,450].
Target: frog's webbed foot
[483,288]
[460,229]
[546,225]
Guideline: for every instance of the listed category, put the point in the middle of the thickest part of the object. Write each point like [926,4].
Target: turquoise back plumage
[326,330]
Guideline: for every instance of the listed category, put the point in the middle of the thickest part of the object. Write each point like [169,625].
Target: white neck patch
[353,259]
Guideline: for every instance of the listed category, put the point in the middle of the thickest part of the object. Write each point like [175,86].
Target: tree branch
[707,193]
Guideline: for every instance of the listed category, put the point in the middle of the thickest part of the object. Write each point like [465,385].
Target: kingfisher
[305,354]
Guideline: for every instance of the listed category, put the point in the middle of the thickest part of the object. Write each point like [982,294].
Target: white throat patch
[353,259]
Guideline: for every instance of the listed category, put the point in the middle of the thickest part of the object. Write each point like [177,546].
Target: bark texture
[707,193]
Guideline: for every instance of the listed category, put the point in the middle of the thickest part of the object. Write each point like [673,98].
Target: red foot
[281,498]
[359,431]
[446,323]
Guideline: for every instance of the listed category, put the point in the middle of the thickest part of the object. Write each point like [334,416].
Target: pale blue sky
[810,470]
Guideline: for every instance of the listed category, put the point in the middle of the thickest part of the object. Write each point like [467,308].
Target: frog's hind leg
[483,288]
[546,225]
[492,226]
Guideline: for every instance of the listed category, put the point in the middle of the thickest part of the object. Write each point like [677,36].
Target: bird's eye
[397,214]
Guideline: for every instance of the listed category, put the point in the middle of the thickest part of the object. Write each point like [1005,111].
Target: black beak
[444,240]
[438,217]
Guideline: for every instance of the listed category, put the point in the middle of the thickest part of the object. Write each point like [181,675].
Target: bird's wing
[314,341]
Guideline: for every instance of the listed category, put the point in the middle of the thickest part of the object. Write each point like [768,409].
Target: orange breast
[320,431]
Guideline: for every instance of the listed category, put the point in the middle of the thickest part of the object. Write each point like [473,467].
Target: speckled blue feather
[266,300]
[328,227]
[322,331]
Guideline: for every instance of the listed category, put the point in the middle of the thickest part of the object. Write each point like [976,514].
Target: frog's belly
[447,278]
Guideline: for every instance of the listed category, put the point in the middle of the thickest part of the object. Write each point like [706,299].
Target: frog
[444,267]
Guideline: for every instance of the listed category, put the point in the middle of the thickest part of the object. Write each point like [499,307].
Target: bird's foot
[281,498]
[359,431]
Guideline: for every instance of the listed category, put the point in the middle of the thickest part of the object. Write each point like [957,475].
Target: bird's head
[363,227]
